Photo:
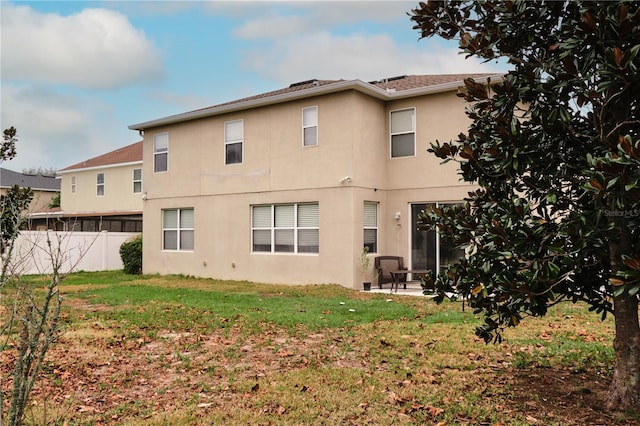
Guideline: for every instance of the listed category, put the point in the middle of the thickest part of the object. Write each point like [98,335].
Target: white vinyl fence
[73,251]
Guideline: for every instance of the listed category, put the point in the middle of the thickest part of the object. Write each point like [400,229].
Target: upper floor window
[285,228]
[370,221]
[177,229]
[161,152]
[233,138]
[310,126]
[137,181]
[73,184]
[403,133]
[100,184]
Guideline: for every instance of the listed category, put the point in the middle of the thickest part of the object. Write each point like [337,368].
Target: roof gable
[127,154]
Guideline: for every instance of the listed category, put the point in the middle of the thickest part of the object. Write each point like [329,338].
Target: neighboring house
[289,186]
[45,189]
[104,193]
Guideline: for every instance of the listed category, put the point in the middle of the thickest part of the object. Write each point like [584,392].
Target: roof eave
[105,166]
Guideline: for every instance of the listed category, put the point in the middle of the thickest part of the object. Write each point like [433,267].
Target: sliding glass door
[428,251]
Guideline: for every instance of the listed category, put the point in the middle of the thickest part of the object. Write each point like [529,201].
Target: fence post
[104,236]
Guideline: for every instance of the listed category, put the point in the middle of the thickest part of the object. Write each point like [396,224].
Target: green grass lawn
[207,305]
[156,350]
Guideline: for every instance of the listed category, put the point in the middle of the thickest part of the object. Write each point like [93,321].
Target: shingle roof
[386,89]
[407,82]
[399,83]
[9,178]
[127,154]
[295,87]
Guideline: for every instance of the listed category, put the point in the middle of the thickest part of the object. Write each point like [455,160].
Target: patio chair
[385,264]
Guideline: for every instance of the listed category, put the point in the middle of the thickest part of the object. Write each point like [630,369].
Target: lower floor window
[285,228]
[177,229]
[370,221]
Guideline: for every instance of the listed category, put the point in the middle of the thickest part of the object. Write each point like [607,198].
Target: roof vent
[302,83]
[388,79]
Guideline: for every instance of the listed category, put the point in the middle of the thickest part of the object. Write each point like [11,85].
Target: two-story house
[289,186]
[104,193]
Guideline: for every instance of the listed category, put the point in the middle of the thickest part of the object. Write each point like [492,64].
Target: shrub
[131,255]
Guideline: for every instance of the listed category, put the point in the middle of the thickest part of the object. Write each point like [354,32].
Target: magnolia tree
[554,150]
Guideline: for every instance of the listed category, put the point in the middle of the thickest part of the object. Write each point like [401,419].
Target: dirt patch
[560,395]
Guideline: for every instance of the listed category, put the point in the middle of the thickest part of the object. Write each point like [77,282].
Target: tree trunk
[624,391]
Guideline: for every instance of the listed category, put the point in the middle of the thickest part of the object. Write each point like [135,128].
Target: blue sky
[75,74]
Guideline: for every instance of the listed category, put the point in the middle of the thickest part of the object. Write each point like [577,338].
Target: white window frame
[73,184]
[402,132]
[178,229]
[295,226]
[228,141]
[139,181]
[157,152]
[370,225]
[100,186]
[309,124]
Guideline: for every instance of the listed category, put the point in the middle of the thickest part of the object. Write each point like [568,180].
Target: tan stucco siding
[353,141]
[118,191]
[222,247]
[438,117]
[274,157]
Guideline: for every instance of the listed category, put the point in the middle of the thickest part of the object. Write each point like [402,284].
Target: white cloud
[289,18]
[58,130]
[95,48]
[359,56]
